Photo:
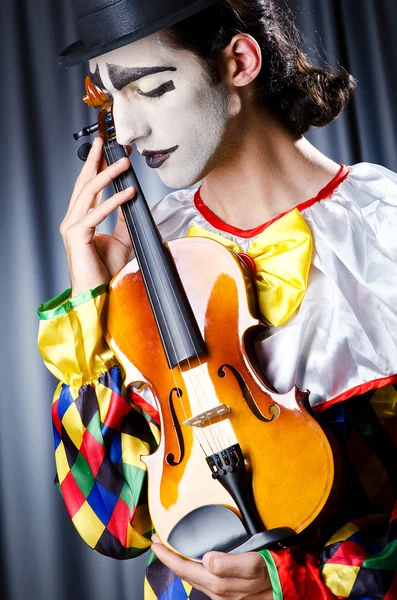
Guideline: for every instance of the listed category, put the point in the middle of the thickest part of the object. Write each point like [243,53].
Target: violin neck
[177,326]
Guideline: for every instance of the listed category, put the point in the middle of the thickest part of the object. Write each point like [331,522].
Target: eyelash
[168,86]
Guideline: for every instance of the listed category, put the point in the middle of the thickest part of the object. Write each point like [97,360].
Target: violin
[239,466]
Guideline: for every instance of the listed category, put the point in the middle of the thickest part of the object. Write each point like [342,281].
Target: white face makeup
[173,111]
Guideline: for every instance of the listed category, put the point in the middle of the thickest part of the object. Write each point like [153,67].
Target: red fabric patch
[119,520]
[55,417]
[144,405]
[72,496]
[249,261]
[92,451]
[211,217]
[394,513]
[376,384]
[299,574]
[118,408]
[349,553]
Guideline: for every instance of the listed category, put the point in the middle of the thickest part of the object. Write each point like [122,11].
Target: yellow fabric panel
[135,539]
[142,521]
[104,395]
[71,420]
[339,578]
[187,586]
[61,462]
[384,403]
[155,431]
[282,254]
[343,533]
[148,591]
[73,347]
[132,448]
[88,525]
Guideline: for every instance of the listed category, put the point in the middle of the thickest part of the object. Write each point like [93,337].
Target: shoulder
[362,207]
[369,184]
[174,213]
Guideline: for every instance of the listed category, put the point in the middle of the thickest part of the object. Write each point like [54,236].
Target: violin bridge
[207,416]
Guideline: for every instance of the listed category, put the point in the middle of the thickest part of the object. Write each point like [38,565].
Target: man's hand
[93,257]
[221,576]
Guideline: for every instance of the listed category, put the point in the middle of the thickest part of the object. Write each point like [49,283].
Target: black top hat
[108,24]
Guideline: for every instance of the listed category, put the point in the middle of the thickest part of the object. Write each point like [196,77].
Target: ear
[242,60]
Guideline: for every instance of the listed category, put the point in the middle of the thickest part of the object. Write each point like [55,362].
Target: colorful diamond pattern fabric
[98,439]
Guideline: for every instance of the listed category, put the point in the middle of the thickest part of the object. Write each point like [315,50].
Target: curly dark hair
[300,94]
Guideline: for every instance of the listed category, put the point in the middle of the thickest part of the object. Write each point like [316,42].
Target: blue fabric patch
[102,502]
[57,437]
[64,401]
[175,591]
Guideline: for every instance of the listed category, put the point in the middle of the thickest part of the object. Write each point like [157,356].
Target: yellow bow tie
[282,256]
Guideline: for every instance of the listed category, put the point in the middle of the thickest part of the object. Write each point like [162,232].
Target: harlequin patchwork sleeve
[359,558]
[101,428]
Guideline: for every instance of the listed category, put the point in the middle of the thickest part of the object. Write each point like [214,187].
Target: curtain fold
[42,556]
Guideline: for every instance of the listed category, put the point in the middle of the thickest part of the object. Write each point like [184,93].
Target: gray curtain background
[41,554]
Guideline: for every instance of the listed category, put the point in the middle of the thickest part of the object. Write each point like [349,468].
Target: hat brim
[78,53]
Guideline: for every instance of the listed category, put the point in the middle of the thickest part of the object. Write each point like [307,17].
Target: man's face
[165,102]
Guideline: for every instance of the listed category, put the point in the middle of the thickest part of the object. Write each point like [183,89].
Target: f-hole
[273,409]
[170,458]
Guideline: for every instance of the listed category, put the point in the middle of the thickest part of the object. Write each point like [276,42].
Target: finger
[91,189]
[120,231]
[89,170]
[249,565]
[94,217]
[102,165]
[195,573]
[198,576]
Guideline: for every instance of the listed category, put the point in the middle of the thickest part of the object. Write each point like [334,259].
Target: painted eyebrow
[122,76]
[97,79]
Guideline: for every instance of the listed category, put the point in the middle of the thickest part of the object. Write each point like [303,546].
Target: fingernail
[95,142]
[120,159]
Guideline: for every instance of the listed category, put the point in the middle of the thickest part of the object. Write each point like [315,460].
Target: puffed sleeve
[359,559]
[101,428]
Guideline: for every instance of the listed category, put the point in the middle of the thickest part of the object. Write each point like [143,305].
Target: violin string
[110,148]
[137,218]
[124,177]
[125,181]
[219,433]
[166,325]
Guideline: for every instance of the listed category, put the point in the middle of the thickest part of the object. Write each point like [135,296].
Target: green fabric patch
[135,477]
[82,474]
[95,428]
[152,558]
[126,496]
[63,304]
[273,574]
[385,560]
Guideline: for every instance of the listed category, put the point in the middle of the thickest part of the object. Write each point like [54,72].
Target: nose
[131,125]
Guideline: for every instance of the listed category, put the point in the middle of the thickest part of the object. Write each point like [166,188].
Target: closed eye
[168,86]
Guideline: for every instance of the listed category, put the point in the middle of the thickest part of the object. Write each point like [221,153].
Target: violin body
[207,400]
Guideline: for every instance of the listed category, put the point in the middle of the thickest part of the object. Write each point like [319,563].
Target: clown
[219,92]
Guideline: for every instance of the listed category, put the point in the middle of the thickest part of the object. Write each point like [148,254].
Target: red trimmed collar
[215,221]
